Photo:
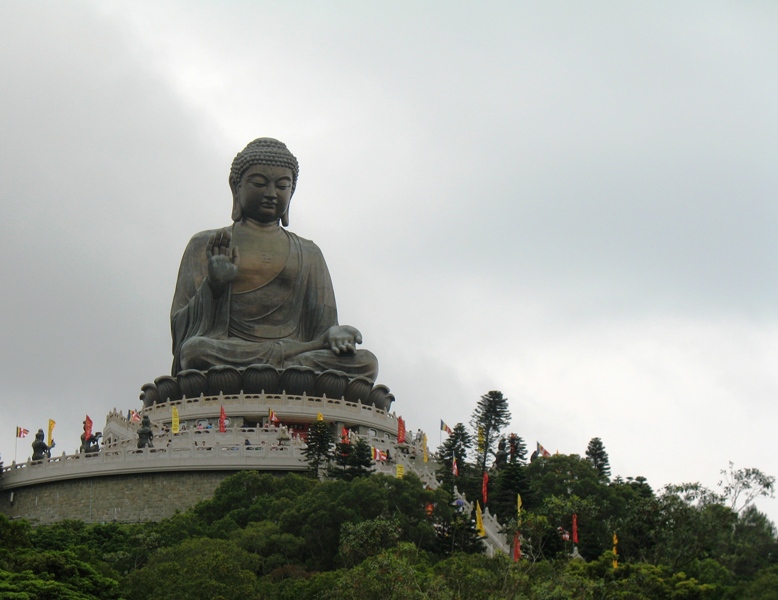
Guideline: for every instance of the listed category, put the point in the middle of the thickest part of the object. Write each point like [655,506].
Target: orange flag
[400,431]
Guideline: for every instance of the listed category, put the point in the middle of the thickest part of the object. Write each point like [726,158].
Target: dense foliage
[264,536]
[363,535]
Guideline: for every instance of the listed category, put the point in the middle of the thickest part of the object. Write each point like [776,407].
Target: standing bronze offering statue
[256,293]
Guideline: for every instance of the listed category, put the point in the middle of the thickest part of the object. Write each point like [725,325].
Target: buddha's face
[264,193]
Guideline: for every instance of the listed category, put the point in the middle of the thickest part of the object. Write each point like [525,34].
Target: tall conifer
[491,414]
[597,455]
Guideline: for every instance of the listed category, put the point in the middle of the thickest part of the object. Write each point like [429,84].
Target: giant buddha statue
[254,292]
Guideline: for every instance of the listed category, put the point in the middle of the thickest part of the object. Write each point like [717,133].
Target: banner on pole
[52,423]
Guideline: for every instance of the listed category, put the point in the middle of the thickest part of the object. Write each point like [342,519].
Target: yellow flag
[400,471]
[175,420]
[615,551]
[424,445]
[481,440]
[319,417]
[52,423]
[479,521]
[518,506]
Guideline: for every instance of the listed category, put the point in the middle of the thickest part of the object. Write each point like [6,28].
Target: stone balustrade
[239,448]
[288,407]
[495,540]
[215,454]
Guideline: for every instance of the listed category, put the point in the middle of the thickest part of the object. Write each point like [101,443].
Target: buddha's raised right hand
[223,261]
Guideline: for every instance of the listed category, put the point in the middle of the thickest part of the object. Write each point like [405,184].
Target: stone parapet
[255,407]
[219,452]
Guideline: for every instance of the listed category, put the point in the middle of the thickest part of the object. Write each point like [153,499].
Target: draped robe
[261,325]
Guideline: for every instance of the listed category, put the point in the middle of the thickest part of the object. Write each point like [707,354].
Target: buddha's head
[262,152]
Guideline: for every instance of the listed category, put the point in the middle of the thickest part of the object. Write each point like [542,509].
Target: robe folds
[258,326]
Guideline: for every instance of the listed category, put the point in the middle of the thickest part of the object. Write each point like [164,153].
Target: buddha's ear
[237,211]
[285,216]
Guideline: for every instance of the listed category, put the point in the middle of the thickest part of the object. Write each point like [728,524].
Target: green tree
[352,460]
[510,481]
[14,534]
[597,455]
[457,534]
[360,463]
[689,523]
[456,447]
[40,574]
[359,541]
[762,587]
[752,546]
[490,416]
[518,449]
[561,485]
[318,446]
[196,568]
[742,486]
[274,547]
[390,575]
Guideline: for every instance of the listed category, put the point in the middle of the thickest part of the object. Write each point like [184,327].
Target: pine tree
[518,449]
[456,446]
[352,459]
[597,455]
[491,414]
[343,450]
[360,460]
[458,534]
[510,481]
[318,446]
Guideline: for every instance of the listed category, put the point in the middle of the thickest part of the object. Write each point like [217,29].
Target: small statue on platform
[145,433]
[40,449]
[255,293]
[501,456]
[91,444]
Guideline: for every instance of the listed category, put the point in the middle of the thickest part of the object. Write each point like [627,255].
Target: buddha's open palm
[343,339]
[223,260]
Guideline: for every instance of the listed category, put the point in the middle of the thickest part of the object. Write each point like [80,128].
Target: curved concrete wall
[119,498]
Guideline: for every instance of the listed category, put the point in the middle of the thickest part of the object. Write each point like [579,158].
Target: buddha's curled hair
[263,151]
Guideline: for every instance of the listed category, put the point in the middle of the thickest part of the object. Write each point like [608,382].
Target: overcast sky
[573,203]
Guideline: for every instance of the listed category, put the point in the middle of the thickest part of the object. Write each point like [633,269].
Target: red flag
[222,421]
[272,417]
[484,486]
[516,547]
[400,431]
[344,436]
[454,468]
[21,432]
[87,428]
[575,528]
[135,416]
